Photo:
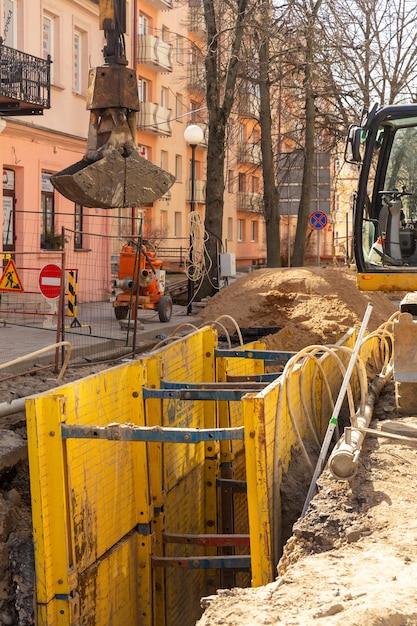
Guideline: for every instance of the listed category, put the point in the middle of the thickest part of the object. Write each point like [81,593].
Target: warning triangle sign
[10,280]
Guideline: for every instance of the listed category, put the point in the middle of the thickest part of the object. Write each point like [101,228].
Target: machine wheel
[121,312]
[165,309]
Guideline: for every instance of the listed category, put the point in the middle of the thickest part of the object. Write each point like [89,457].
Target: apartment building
[38,140]
[163,45]
[171,82]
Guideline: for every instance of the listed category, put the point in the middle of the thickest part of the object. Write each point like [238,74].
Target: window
[179,50]
[143,151]
[78,226]
[48,239]
[143,89]
[143,24]
[193,54]
[242,182]
[164,223]
[253,231]
[255,184]
[8,209]
[230,228]
[194,106]
[179,107]
[165,34]
[164,97]
[241,133]
[164,160]
[48,36]
[177,224]
[230,181]
[79,63]
[178,168]
[10,23]
[136,222]
[241,230]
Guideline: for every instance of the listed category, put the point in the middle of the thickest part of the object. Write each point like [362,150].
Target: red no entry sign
[317,220]
[50,281]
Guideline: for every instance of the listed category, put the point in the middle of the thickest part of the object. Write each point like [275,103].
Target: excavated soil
[311,305]
[352,559]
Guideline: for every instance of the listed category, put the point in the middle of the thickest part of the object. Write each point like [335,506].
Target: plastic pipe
[343,461]
[333,420]
[42,351]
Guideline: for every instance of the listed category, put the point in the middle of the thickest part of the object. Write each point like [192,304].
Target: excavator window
[388,197]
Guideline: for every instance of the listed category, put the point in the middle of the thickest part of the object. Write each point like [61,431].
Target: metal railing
[24,78]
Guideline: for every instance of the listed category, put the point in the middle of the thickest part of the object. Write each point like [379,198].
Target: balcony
[199,191]
[160,5]
[196,22]
[247,103]
[154,118]
[154,53]
[249,153]
[25,85]
[196,78]
[249,202]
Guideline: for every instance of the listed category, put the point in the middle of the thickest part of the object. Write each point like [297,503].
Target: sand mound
[311,305]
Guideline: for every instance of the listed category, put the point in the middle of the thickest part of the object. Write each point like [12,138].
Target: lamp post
[193,135]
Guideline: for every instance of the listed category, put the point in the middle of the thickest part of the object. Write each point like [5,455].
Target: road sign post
[318,221]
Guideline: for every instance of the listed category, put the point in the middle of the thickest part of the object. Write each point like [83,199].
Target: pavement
[24,347]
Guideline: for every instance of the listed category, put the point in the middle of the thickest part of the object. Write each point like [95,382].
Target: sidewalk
[16,341]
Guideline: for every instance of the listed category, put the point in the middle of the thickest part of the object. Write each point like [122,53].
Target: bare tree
[222,66]
[303,15]
[344,55]
[372,44]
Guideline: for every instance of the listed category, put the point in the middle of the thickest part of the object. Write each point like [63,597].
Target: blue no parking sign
[317,220]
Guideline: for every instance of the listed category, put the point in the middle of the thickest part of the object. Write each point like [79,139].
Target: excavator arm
[112,173]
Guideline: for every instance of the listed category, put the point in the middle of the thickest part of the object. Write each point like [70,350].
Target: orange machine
[142,281]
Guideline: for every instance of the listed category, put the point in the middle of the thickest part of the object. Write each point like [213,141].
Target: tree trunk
[214,203]
[270,191]
[220,98]
[309,148]
[307,183]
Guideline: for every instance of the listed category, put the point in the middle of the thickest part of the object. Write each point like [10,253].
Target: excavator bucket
[112,174]
[114,181]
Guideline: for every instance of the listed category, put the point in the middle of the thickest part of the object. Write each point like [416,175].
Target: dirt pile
[311,305]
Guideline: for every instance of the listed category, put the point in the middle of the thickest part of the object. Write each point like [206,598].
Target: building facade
[163,45]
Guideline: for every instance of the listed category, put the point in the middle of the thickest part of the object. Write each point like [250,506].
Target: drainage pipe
[343,461]
[9,408]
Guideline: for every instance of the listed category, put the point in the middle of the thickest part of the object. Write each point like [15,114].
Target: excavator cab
[385,209]
[384,148]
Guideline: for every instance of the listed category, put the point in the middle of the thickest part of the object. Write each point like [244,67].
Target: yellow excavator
[112,173]
[384,147]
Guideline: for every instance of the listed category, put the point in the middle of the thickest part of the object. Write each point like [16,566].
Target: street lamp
[193,135]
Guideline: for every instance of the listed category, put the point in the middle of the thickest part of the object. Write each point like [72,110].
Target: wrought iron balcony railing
[249,202]
[25,82]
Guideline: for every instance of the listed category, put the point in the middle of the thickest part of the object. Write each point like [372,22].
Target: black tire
[121,312]
[165,309]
